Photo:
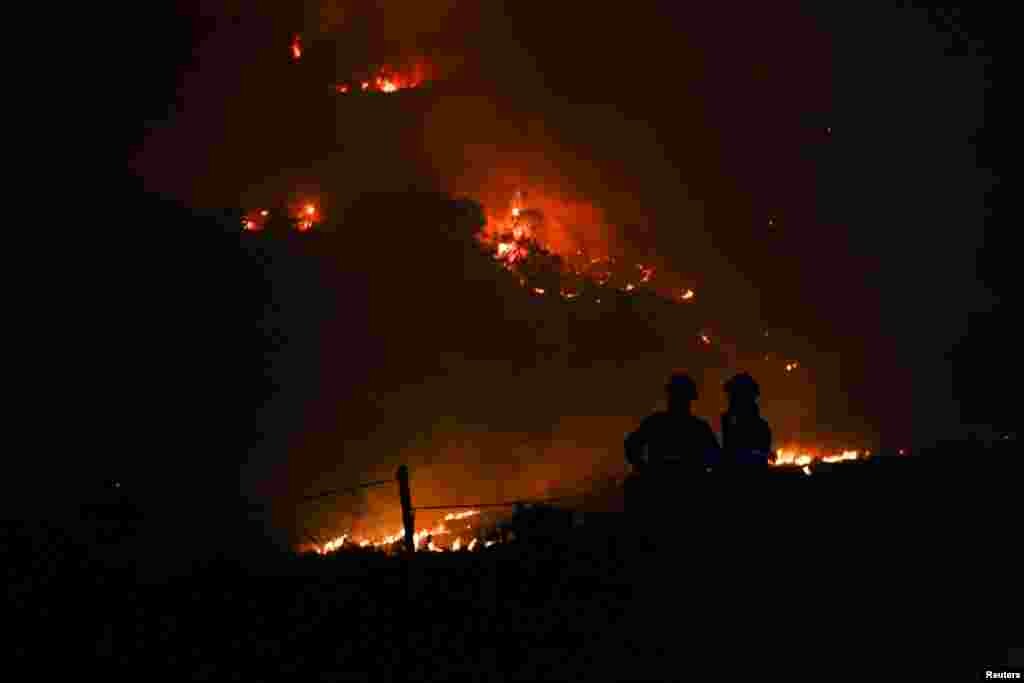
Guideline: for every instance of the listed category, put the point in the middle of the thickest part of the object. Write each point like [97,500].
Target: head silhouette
[743,392]
[681,391]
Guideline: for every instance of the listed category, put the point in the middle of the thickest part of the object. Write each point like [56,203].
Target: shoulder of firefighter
[700,438]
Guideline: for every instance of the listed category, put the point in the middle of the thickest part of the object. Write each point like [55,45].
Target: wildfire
[460,515]
[307,217]
[422,539]
[805,458]
[389,79]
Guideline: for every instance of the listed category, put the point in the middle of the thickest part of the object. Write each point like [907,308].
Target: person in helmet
[675,436]
[746,436]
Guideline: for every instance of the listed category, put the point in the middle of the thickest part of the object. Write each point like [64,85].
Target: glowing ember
[306,216]
[472,544]
[461,515]
[705,339]
[297,47]
[250,226]
[538,290]
[807,457]
[389,79]
[264,213]
[419,538]
[687,295]
[845,456]
[790,367]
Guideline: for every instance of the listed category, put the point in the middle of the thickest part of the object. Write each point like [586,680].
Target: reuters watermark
[990,675]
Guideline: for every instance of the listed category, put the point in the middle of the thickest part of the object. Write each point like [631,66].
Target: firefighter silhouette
[746,436]
[675,436]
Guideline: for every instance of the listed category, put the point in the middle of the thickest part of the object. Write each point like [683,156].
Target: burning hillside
[594,271]
[388,78]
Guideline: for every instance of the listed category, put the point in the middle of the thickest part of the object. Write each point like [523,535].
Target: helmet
[742,384]
[682,385]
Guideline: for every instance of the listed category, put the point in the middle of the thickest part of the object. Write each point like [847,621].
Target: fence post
[405,497]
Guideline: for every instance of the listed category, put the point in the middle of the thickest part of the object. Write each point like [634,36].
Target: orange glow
[310,210]
[389,79]
[806,457]
[419,538]
[264,213]
[705,339]
[538,290]
[687,295]
[297,47]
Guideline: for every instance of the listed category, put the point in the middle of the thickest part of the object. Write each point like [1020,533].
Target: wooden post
[405,497]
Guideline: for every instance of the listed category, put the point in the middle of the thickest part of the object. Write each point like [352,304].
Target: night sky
[821,174]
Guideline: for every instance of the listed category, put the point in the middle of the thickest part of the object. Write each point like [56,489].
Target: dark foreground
[867,574]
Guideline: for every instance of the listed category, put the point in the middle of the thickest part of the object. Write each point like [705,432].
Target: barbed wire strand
[338,492]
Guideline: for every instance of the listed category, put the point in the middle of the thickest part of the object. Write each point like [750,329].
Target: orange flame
[803,457]
[297,47]
[419,538]
[460,515]
[389,79]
